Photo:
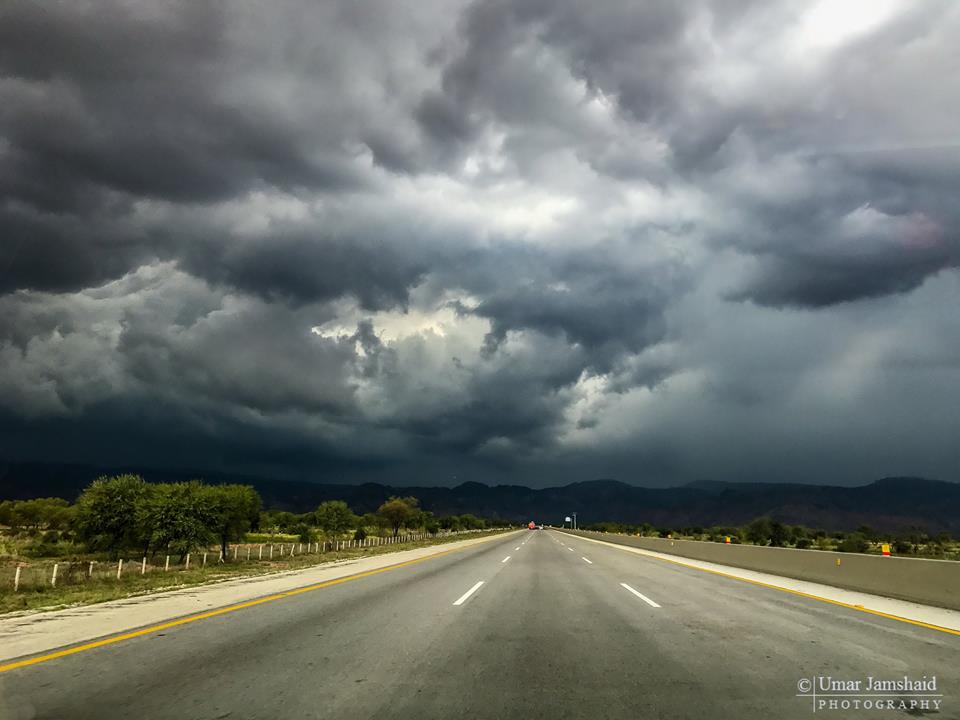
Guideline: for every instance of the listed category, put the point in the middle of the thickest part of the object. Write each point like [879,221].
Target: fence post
[119,567]
[235,548]
[248,552]
[186,565]
[220,559]
[53,578]
[16,579]
[143,565]
[204,560]
[260,555]
[166,564]
[90,570]
[271,551]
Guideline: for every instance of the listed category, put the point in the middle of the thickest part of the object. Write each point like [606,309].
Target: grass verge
[100,589]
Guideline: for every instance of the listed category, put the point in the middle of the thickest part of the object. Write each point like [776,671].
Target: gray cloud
[532,241]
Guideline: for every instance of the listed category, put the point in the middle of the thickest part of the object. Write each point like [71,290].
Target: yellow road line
[859,608]
[219,611]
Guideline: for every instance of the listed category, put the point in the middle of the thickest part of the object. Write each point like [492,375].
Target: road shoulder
[939,618]
[30,634]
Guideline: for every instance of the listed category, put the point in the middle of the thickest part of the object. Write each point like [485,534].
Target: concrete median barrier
[930,582]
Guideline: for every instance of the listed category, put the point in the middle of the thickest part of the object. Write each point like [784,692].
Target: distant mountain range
[887,504]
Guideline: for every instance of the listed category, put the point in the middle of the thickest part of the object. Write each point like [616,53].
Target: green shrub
[854,543]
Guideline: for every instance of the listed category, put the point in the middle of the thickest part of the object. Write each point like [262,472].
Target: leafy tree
[779,534]
[6,513]
[397,511]
[902,546]
[111,513]
[472,522]
[450,522]
[182,517]
[759,531]
[36,514]
[416,519]
[334,517]
[236,510]
[854,543]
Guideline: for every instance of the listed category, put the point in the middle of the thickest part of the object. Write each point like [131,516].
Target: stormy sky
[528,242]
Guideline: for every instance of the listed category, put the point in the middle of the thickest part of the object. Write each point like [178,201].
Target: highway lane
[550,632]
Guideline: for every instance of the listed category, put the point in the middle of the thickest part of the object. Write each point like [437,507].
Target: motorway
[535,624]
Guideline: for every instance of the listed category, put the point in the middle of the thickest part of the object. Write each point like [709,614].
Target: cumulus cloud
[507,240]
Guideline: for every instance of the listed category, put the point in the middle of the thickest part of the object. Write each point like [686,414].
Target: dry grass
[105,586]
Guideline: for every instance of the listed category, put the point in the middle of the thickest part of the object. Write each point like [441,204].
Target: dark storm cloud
[588,302]
[532,239]
[104,106]
[650,61]
[297,265]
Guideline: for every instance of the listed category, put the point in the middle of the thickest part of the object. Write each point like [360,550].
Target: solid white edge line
[589,562]
[570,549]
[516,548]
[505,559]
[468,593]
[640,595]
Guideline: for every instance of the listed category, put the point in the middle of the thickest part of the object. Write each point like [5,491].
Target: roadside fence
[23,576]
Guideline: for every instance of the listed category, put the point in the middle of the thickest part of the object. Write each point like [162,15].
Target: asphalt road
[552,632]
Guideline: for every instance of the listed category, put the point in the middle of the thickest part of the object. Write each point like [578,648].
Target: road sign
[567,519]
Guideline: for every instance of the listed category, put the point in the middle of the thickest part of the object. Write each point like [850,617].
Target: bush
[903,547]
[803,543]
[360,534]
[57,548]
[853,543]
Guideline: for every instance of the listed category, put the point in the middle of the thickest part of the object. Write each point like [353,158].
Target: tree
[450,522]
[36,514]
[854,543]
[236,510]
[111,513]
[397,511]
[334,517]
[472,522]
[181,516]
[759,531]
[779,534]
